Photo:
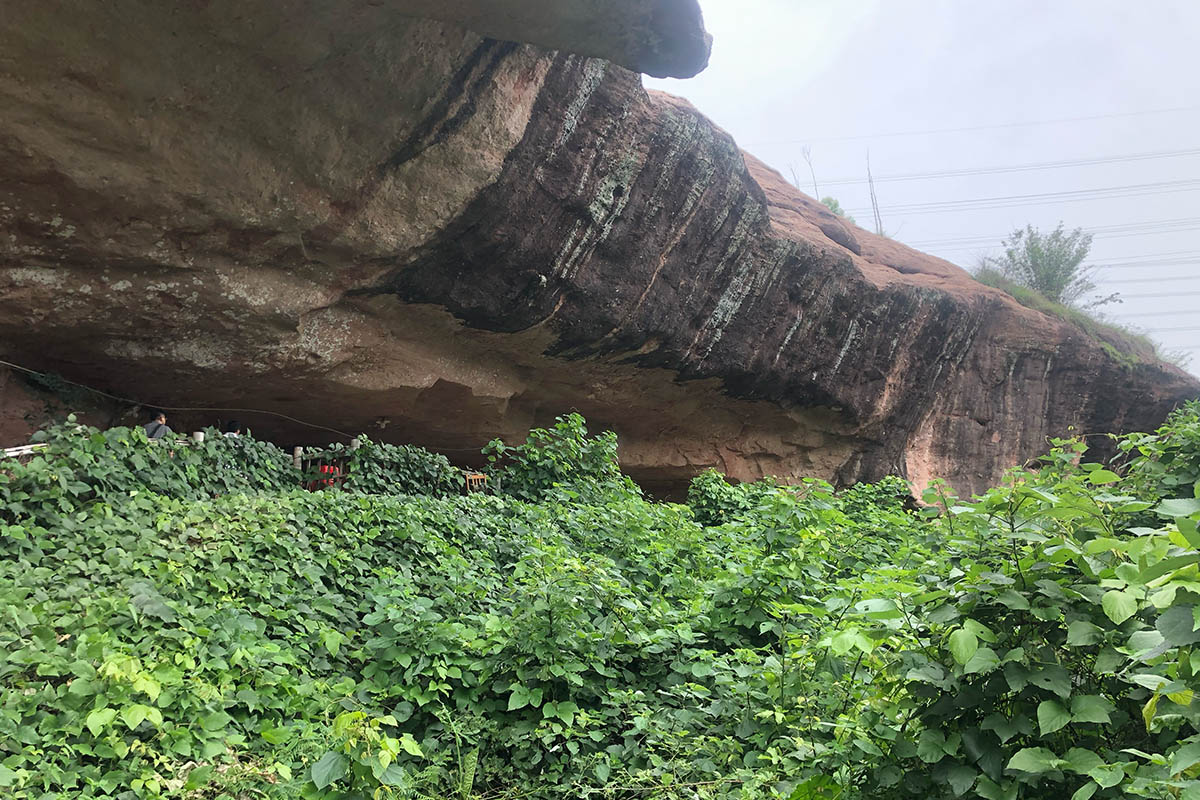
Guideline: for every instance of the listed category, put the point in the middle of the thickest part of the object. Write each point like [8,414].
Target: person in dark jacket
[157,427]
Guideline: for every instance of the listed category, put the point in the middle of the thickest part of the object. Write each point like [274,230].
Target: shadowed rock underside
[373,221]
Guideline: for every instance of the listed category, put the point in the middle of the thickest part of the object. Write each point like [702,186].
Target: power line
[1167,262]
[954,173]
[1099,232]
[1098,236]
[999,126]
[1188,311]
[1169,279]
[1169,253]
[1158,295]
[1042,198]
[1099,229]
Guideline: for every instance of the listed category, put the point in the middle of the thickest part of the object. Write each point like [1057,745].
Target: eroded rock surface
[372,221]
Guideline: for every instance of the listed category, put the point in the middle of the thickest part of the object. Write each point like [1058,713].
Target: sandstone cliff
[358,216]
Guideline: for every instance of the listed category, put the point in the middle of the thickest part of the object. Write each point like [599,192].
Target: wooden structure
[322,470]
[475,481]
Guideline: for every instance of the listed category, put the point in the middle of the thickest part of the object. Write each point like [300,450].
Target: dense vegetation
[173,624]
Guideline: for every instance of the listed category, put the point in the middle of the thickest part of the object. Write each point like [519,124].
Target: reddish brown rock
[369,221]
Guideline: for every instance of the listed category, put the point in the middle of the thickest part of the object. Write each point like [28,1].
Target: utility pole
[807,151]
[874,199]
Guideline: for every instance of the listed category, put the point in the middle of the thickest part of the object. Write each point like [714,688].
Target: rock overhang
[376,221]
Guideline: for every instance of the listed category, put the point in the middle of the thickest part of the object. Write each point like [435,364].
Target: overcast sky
[935,86]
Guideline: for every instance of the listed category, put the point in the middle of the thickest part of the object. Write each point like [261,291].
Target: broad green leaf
[929,673]
[1052,716]
[1090,708]
[1080,633]
[984,661]
[1034,759]
[410,745]
[566,711]
[276,735]
[215,721]
[7,776]
[931,746]
[1052,678]
[963,644]
[134,715]
[1107,777]
[332,640]
[889,776]
[1147,644]
[1002,726]
[1081,760]
[844,641]
[1102,476]
[332,767]
[880,608]
[1185,757]
[980,630]
[1101,544]
[1153,758]
[394,775]
[988,789]
[99,719]
[1166,566]
[961,779]
[198,778]
[1149,710]
[1085,791]
[1149,680]
[1177,625]
[1178,508]
[1118,605]
[1187,529]
[1013,599]
[867,746]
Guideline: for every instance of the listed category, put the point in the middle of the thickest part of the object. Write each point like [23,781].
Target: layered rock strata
[367,220]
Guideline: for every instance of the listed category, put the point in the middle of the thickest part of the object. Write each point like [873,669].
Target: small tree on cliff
[833,205]
[1051,264]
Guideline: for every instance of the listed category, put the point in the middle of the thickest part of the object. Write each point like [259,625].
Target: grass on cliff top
[1125,345]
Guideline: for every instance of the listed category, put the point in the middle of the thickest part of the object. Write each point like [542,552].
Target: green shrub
[561,461]
[81,464]
[1167,461]
[378,468]
[715,501]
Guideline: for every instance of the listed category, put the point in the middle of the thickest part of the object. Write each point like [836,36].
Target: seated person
[157,428]
[233,428]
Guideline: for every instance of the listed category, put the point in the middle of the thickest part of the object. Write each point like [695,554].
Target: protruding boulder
[362,220]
